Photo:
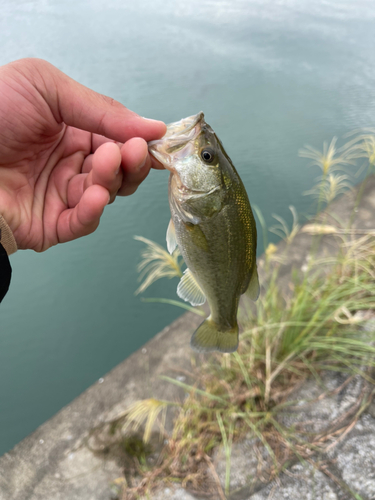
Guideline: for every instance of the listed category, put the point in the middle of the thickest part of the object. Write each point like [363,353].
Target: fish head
[191,151]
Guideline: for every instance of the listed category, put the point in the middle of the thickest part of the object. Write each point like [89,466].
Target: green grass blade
[191,388]
[227,443]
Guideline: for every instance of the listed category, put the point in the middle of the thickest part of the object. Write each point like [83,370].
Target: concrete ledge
[51,464]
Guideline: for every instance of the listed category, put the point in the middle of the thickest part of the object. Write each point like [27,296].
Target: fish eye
[207,155]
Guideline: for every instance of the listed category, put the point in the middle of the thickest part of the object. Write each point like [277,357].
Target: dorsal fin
[171,237]
[189,290]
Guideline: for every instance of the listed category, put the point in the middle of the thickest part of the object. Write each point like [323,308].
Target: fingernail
[109,199]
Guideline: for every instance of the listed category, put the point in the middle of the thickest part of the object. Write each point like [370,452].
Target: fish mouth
[177,137]
[184,126]
[195,193]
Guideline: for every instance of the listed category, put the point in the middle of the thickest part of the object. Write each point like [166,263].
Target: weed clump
[311,327]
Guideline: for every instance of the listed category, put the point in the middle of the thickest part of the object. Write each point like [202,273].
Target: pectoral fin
[171,237]
[253,289]
[189,290]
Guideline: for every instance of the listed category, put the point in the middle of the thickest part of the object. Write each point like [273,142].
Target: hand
[60,163]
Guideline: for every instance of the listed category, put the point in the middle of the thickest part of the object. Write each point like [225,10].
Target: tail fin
[209,337]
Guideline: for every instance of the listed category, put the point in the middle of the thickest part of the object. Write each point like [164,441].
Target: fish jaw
[184,126]
[178,142]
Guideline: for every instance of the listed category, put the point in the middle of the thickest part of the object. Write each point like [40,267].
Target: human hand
[65,152]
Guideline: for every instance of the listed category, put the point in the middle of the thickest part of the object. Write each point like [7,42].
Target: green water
[270,76]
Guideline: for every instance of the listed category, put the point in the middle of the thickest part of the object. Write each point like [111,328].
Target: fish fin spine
[209,337]
[189,290]
[171,237]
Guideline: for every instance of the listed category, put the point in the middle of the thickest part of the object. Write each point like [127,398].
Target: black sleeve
[5,272]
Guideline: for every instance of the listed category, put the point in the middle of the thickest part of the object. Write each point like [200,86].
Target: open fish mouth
[178,135]
[184,126]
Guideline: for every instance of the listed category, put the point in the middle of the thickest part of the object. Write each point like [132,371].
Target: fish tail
[211,337]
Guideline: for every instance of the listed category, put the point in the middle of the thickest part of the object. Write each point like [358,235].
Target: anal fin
[189,290]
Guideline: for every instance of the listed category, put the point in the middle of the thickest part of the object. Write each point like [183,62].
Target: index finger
[83,108]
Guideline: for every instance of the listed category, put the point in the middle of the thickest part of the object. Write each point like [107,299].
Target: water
[270,76]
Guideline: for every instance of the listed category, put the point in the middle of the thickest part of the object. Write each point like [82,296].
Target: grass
[305,330]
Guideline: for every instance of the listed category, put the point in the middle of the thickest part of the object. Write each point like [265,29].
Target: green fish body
[213,226]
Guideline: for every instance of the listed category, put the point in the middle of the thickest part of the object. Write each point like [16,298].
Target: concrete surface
[54,463]
[349,471]
[303,483]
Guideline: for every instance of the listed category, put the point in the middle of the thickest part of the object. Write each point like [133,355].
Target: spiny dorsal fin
[189,290]
[171,237]
[253,289]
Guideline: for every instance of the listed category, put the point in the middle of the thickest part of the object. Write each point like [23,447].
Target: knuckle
[111,102]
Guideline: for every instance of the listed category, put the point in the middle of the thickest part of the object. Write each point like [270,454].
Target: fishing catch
[213,226]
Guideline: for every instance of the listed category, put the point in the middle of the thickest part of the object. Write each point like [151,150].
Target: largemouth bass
[213,226]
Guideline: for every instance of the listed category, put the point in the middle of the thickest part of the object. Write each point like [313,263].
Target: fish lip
[205,193]
[196,193]
[183,126]
[160,157]
[178,133]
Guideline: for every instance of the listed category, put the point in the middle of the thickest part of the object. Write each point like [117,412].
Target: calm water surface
[270,76]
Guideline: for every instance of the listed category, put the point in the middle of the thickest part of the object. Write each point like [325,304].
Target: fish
[213,226]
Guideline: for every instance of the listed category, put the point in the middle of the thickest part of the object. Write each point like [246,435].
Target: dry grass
[285,340]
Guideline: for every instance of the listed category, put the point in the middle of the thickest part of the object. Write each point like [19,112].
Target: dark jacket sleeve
[5,272]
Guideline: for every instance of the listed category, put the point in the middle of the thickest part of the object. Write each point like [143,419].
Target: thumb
[81,107]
